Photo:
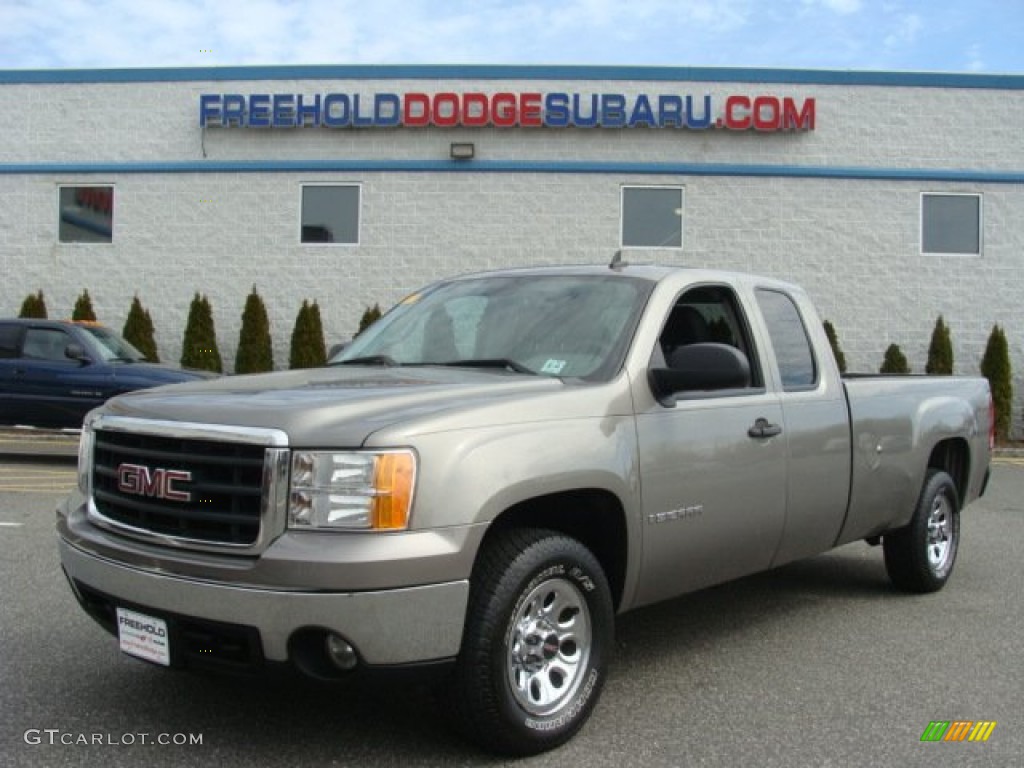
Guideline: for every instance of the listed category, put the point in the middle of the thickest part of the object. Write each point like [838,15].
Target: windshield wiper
[491,362]
[384,360]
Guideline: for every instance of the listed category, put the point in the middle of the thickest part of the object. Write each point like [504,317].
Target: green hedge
[139,332]
[940,351]
[895,361]
[34,306]
[255,347]
[995,366]
[308,349]
[199,347]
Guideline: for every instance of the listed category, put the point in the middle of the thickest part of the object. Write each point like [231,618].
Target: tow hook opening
[322,653]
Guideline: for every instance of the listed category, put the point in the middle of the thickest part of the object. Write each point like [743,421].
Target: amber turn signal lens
[393,483]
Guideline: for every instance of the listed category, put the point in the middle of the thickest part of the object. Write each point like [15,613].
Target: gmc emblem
[137,480]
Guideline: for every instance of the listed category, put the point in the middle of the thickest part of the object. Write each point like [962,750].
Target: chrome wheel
[940,533]
[548,645]
[919,557]
[540,629]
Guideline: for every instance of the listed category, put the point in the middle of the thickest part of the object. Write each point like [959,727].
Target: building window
[652,217]
[86,214]
[330,214]
[951,224]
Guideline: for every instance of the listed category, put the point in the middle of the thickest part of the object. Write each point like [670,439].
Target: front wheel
[539,631]
[920,557]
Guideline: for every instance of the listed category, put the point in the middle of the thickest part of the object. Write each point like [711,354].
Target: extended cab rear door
[11,335]
[817,437]
[712,462]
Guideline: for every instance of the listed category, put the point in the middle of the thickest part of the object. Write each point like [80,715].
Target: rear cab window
[10,340]
[794,354]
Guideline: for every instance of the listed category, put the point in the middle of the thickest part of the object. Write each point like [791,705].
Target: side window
[708,314]
[793,350]
[10,340]
[46,344]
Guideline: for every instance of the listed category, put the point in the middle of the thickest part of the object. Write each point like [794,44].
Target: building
[893,197]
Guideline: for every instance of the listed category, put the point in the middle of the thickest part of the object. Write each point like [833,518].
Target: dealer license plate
[143,636]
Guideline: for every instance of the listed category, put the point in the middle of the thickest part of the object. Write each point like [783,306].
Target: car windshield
[564,326]
[111,347]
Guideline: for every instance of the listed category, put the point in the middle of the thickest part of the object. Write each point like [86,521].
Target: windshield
[109,346]
[564,326]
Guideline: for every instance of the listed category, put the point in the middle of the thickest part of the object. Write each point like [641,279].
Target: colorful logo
[958,730]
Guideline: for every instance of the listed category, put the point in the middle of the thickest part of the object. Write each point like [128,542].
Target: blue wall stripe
[493,72]
[498,166]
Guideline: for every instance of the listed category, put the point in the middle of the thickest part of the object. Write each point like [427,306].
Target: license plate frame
[143,636]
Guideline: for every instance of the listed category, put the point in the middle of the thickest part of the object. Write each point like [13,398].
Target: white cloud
[975,61]
[906,31]
[101,33]
[753,33]
[842,7]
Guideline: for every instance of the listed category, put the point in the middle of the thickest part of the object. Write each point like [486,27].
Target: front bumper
[386,627]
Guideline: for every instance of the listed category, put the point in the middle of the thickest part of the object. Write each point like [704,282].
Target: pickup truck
[53,372]
[483,479]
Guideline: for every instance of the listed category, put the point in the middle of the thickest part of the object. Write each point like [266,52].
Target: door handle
[763,428]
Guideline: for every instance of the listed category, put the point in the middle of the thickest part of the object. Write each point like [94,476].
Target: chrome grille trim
[271,488]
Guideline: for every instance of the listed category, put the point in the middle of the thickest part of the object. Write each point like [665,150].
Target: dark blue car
[54,372]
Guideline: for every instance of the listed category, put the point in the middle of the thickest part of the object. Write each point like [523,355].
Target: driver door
[713,484]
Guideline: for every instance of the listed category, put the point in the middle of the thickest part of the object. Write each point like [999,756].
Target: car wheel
[538,635]
[920,557]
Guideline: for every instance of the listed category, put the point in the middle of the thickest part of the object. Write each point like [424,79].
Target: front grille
[198,490]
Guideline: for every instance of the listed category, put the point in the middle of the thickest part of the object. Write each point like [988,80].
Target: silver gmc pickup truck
[488,475]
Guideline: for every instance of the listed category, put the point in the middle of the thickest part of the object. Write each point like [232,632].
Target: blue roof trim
[513,72]
[498,166]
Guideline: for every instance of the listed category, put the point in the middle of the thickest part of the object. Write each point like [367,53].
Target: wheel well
[954,458]
[594,517]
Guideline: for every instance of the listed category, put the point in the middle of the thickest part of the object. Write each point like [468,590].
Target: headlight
[351,491]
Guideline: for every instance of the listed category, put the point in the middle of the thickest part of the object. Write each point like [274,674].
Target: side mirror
[705,367]
[76,352]
[336,348]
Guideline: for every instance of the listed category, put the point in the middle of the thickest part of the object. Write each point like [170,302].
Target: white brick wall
[853,243]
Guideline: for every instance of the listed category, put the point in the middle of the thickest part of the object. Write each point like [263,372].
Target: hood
[336,406]
[155,374]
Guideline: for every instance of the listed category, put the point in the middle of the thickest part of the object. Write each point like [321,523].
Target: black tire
[920,557]
[539,633]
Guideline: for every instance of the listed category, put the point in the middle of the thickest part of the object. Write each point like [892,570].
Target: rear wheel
[538,635]
[920,557]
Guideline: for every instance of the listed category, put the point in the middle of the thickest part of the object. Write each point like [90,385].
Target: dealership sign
[506,110]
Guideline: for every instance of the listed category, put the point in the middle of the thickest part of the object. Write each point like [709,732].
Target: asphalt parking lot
[817,663]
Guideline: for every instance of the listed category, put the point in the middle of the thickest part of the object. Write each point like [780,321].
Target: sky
[985,36]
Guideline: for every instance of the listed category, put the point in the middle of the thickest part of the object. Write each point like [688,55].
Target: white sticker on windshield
[553,366]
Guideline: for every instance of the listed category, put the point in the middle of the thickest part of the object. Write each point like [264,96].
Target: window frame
[741,325]
[358,186]
[15,332]
[61,186]
[981,223]
[681,189]
[42,330]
